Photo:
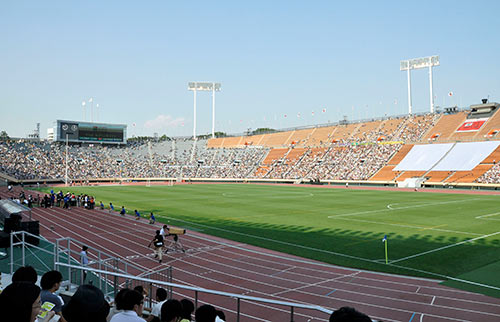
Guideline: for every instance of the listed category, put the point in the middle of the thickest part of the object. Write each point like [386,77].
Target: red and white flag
[324,110]
[450,94]
[312,113]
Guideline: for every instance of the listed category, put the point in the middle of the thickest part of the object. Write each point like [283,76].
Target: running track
[224,265]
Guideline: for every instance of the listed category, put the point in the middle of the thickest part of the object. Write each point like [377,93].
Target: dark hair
[171,309]
[165,226]
[205,313]
[87,304]
[220,314]
[119,297]
[84,248]
[16,301]
[25,274]
[187,309]
[50,278]
[140,289]
[128,299]
[157,232]
[161,294]
[348,314]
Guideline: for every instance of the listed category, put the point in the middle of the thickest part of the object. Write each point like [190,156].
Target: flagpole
[386,257]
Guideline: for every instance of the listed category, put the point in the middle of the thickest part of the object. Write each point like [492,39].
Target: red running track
[224,265]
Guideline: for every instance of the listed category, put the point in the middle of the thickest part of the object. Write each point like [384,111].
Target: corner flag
[384,240]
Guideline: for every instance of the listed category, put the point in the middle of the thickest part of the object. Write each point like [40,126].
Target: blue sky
[135,58]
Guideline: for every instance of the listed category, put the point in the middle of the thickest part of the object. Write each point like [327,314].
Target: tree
[262,130]
[4,136]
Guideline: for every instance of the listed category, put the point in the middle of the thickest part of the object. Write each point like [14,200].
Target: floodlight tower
[204,86]
[417,63]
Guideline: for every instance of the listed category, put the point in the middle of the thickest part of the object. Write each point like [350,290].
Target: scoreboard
[86,132]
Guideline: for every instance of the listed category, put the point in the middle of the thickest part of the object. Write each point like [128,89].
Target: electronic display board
[91,132]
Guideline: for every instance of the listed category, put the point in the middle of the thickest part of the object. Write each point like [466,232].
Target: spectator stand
[45,256]
[239,299]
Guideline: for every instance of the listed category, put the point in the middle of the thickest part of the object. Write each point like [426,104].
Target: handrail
[239,297]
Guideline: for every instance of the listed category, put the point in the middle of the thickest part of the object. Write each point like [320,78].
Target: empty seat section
[492,124]
[276,139]
[274,154]
[458,136]
[385,174]
[215,143]
[254,140]
[469,176]
[299,137]
[232,142]
[446,126]
[344,132]
[295,154]
[437,176]
[410,174]
[494,157]
[321,136]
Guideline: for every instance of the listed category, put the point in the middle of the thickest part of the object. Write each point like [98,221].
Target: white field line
[145,256]
[408,226]
[442,276]
[444,247]
[489,215]
[388,208]
[114,223]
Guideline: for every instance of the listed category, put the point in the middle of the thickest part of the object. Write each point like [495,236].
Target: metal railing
[239,297]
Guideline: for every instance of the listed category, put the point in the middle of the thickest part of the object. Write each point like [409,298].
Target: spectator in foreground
[25,274]
[161,297]
[20,301]
[87,304]
[171,311]
[205,313]
[348,314]
[114,308]
[131,303]
[50,283]
[187,310]
[221,317]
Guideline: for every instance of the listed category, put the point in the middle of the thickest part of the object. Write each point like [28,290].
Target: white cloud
[164,122]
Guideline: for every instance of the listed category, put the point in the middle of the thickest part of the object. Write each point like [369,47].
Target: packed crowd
[357,156]
[24,301]
[491,176]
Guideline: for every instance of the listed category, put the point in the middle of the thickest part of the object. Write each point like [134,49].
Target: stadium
[315,202]
[388,215]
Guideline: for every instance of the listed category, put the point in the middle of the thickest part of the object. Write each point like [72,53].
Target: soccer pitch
[453,237]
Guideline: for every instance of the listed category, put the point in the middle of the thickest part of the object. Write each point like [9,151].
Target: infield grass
[435,235]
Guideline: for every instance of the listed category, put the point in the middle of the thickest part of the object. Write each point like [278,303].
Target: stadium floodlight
[418,63]
[207,87]
[84,114]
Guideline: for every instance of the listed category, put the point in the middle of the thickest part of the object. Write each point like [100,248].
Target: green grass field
[454,237]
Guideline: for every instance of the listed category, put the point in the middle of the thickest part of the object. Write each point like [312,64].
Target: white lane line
[444,247]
